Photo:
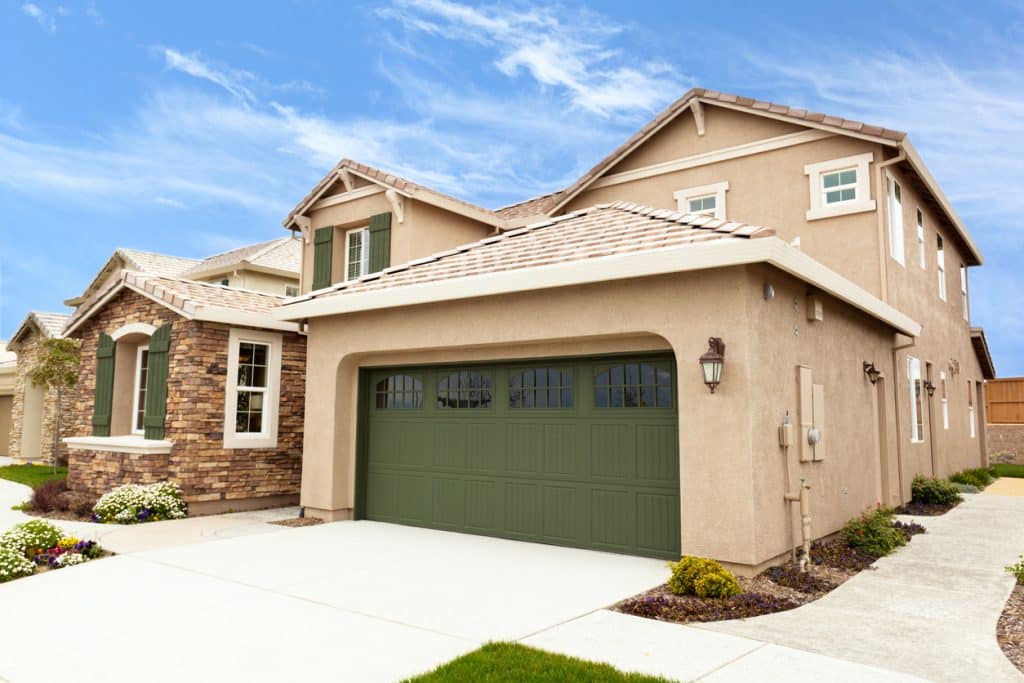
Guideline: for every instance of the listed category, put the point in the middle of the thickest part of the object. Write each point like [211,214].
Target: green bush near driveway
[32,475]
[931,491]
[874,533]
[496,662]
[703,578]
[1008,470]
[978,477]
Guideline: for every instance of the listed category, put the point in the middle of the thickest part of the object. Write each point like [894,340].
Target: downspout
[896,400]
[883,242]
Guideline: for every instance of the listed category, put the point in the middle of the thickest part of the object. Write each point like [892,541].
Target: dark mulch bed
[776,589]
[299,521]
[924,509]
[1010,630]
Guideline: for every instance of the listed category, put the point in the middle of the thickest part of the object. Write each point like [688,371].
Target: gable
[679,138]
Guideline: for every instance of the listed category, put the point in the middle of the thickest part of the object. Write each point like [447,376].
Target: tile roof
[390,180]
[157,264]
[50,324]
[602,230]
[284,253]
[184,296]
[528,207]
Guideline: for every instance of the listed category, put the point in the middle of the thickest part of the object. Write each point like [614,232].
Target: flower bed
[785,586]
[134,504]
[38,546]
[931,497]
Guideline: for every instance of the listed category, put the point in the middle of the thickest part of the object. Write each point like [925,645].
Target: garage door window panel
[633,385]
[540,388]
[466,389]
[400,392]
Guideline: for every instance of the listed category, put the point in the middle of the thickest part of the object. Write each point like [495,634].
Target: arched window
[633,385]
[465,389]
[400,392]
[540,388]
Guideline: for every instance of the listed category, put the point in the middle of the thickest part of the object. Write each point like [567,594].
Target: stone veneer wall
[28,349]
[1006,438]
[208,473]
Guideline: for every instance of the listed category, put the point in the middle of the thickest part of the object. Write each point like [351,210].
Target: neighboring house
[34,409]
[270,267]
[8,369]
[542,382]
[190,382]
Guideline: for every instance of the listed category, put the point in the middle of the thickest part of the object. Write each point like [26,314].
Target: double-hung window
[920,238]
[839,186]
[971,418]
[895,198]
[706,199]
[253,389]
[916,386]
[139,394]
[944,401]
[357,253]
[964,305]
[940,258]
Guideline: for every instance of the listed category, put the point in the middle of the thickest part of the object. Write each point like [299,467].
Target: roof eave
[981,350]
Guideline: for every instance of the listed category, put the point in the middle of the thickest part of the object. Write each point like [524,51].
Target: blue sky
[190,127]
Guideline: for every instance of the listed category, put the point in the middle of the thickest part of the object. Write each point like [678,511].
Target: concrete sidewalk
[929,610]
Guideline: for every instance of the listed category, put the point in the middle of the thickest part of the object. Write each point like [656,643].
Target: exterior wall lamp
[711,362]
[871,371]
[929,387]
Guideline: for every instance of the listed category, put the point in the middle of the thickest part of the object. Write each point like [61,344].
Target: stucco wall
[42,409]
[6,404]
[256,281]
[207,472]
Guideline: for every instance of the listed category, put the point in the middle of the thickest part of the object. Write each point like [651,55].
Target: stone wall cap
[120,444]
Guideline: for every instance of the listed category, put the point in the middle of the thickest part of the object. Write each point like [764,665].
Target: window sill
[236,441]
[840,210]
[120,444]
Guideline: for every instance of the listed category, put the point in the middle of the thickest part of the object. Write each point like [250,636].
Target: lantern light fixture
[712,361]
[871,371]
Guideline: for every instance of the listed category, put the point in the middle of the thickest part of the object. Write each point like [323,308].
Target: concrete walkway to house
[1005,486]
[137,537]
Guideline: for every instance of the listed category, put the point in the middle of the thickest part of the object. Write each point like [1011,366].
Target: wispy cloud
[45,20]
[235,81]
[573,54]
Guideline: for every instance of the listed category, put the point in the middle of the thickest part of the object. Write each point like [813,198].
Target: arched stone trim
[133,328]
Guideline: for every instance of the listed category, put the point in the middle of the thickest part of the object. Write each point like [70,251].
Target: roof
[394,182]
[604,242]
[283,255]
[51,325]
[190,299]
[980,344]
[528,207]
[141,261]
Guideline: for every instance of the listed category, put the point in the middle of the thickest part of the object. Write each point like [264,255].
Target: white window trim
[965,304]
[914,375]
[364,262]
[971,415]
[133,328]
[944,401]
[920,239]
[819,209]
[272,397]
[940,259]
[717,189]
[897,239]
[135,391]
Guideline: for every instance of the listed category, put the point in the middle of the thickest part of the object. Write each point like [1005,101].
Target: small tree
[57,368]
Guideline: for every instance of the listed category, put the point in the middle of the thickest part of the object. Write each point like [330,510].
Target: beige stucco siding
[6,405]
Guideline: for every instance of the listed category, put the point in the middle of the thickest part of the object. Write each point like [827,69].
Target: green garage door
[577,452]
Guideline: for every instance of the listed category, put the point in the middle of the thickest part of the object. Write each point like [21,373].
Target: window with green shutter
[103,400]
[380,242]
[155,410]
[323,244]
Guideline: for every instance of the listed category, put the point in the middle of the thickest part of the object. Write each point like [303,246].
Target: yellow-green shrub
[702,577]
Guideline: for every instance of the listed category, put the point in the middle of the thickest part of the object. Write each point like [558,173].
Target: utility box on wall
[812,435]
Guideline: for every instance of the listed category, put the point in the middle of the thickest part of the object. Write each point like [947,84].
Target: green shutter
[323,244]
[380,242]
[104,397]
[155,409]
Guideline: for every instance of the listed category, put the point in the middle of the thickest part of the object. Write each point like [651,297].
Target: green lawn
[32,475]
[510,662]
[1007,470]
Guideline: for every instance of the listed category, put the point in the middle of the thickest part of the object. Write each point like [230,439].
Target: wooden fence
[1004,400]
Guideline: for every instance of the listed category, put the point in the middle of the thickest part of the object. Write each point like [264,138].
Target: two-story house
[638,363]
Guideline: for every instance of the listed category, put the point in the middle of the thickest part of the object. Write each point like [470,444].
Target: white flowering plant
[136,503]
[14,565]
[31,538]
[38,543]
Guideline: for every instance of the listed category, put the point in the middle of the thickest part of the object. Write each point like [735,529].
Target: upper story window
[944,400]
[291,290]
[465,389]
[839,187]
[540,388]
[971,417]
[920,238]
[139,395]
[940,260]
[633,385]
[964,304]
[916,399]
[357,253]
[253,391]
[707,199]
[894,195]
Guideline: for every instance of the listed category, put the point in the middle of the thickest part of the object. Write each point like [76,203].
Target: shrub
[47,497]
[14,565]
[931,491]
[873,532]
[1001,458]
[1017,569]
[133,503]
[30,538]
[703,578]
[967,488]
[978,477]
